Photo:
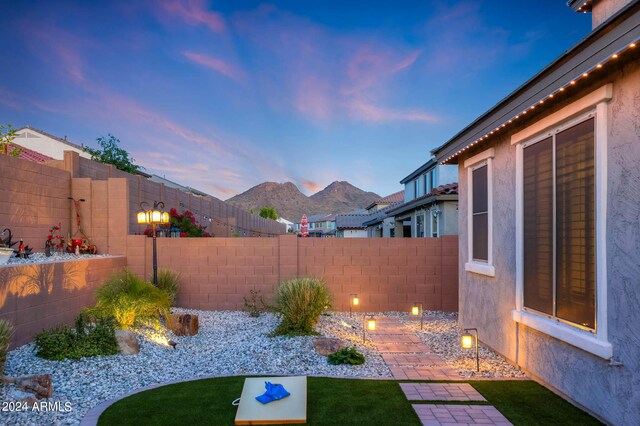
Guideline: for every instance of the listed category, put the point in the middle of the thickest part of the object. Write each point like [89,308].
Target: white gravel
[41,258]
[442,333]
[229,343]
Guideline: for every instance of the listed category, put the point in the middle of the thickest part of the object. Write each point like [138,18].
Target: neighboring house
[320,225]
[379,224]
[430,207]
[171,184]
[287,223]
[27,154]
[46,143]
[351,225]
[550,218]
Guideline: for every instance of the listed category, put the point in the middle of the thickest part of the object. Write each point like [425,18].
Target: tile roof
[29,154]
[394,198]
[351,221]
[442,190]
[379,216]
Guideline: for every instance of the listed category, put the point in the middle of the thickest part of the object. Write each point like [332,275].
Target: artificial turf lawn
[333,402]
[526,402]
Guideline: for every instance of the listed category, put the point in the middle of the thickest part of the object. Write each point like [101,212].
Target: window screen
[559,250]
[575,224]
[538,226]
[480,214]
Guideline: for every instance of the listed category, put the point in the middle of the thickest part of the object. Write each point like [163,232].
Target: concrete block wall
[33,198]
[40,296]
[388,274]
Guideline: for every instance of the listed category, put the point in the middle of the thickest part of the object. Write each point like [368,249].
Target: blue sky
[222,96]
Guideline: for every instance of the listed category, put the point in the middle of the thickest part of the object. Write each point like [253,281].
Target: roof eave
[617,33]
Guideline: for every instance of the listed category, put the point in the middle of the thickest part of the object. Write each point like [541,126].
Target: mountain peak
[290,203]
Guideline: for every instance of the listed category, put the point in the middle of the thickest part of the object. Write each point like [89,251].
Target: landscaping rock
[183,324]
[327,346]
[41,386]
[127,342]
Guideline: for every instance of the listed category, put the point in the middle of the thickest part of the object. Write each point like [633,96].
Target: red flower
[183,234]
[50,237]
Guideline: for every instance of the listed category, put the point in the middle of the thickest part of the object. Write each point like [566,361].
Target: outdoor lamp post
[467,343]
[355,301]
[416,310]
[368,324]
[153,217]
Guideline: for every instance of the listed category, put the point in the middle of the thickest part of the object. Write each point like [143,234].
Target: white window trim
[477,267]
[596,342]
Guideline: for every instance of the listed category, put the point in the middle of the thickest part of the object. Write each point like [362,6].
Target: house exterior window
[480,214]
[559,225]
[434,223]
[415,188]
[561,200]
[419,225]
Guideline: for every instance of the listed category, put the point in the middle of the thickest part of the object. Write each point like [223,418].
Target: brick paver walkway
[435,415]
[410,359]
[440,392]
[405,354]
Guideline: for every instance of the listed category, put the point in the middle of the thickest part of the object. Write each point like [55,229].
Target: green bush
[169,282]
[130,301]
[346,356]
[6,331]
[299,303]
[63,342]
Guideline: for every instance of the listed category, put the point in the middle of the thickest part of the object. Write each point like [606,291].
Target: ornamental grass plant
[130,301]
[299,303]
[6,331]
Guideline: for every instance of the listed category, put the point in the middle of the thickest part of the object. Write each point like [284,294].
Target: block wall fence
[35,196]
[389,274]
[40,296]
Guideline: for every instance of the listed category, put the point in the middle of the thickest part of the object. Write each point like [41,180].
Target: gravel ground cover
[229,343]
[41,258]
[442,334]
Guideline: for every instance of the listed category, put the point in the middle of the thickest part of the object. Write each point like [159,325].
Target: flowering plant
[54,237]
[187,223]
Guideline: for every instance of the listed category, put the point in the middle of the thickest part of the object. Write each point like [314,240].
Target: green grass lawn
[332,402]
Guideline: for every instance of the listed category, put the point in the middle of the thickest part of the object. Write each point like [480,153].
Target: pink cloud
[369,112]
[194,13]
[217,65]
[311,186]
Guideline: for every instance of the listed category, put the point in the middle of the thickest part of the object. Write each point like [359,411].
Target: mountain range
[291,203]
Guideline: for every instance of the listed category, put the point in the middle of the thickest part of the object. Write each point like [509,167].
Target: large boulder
[182,324]
[327,345]
[127,342]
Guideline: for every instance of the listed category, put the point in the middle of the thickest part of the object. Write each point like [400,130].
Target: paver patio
[437,414]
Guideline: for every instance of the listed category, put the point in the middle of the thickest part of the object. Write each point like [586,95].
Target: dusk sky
[222,96]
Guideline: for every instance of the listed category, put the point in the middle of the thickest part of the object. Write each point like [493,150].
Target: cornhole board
[289,410]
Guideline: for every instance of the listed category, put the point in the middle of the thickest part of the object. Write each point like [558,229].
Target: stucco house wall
[610,391]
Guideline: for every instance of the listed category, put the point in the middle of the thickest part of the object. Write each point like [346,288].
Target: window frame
[592,105]
[487,268]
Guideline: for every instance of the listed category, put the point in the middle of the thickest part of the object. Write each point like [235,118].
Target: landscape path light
[368,324]
[154,216]
[416,310]
[354,300]
[467,342]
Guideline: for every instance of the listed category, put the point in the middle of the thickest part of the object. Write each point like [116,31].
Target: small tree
[269,213]
[7,135]
[111,153]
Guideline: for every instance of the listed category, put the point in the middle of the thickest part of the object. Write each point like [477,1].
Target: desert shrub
[299,303]
[255,303]
[346,356]
[6,331]
[130,301]
[169,282]
[66,343]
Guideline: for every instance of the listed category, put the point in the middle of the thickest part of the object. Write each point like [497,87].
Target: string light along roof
[611,45]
